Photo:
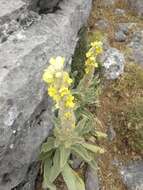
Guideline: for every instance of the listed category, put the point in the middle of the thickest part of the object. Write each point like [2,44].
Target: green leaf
[64,155]
[73,181]
[47,169]
[93,148]
[100,134]
[55,169]
[87,113]
[56,121]
[93,165]
[80,151]
[80,125]
[49,145]
[45,155]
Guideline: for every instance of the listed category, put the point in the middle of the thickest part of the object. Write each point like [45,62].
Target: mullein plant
[70,131]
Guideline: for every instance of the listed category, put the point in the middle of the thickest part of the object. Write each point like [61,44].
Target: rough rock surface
[42,4]
[137,6]
[25,116]
[132,175]
[92,181]
[102,24]
[136,48]
[120,12]
[9,9]
[120,36]
[126,27]
[113,63]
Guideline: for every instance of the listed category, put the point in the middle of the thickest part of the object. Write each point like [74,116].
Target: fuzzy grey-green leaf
[55,169]
[93,148]
[73,181]
[64,155]
[49,145]
[80,151]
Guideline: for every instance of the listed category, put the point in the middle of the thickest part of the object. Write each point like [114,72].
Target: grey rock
[111,133]
[10,9]
[136,48]
[120,12]
[30,178]
[123,27]
[92,181]
[113,63]
[48,4]
[42,4]
[76,162]
[126,27]
[132,175]
[7,29]
[120,36]
[25,110]
[137,6]
[102,24]
[26,19]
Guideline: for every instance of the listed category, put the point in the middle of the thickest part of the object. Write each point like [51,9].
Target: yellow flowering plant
[69,130]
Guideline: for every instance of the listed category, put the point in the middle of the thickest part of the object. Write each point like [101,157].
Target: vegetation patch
[122,106]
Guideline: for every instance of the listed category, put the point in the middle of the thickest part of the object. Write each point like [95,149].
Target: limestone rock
[120,36]
[137,6]
[92,181]
[25,111]
[113,63]
[136,48]
[120,12]
[10,9]
[102,24]
[132,175]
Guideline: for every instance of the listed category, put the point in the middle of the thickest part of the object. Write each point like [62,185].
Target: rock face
[92,181]
[10,9]
[120,36]
[25,116]
[102,24]
[132,175]
[137,6]
[136,48]
[43,4]
[113,63]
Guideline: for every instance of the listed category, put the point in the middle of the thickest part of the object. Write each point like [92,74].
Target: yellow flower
[98,46]
[87,70]
[52,91]
[68,115]
[73,126]
[57,63]
[89,62]
[96,64]
[89,53]
[67,79]
[47,77]
[64,91]
[58,75]
[69,101]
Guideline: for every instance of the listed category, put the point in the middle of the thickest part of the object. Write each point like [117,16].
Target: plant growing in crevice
[73,124]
